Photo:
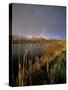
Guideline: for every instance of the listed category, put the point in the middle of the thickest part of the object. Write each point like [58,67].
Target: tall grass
[32,73]
[57,71]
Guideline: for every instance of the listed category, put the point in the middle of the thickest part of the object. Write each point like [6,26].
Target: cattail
[18,79]
[30,70]
[23,69]
[48,62]
[36,65]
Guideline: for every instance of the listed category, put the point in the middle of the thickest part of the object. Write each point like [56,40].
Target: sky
[36,20]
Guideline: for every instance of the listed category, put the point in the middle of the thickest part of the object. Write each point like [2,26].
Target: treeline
[33,40]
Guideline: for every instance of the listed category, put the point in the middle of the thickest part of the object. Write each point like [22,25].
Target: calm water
[35,49]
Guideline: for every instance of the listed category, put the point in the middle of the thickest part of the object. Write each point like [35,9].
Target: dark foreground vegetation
[55,75]
[33,73]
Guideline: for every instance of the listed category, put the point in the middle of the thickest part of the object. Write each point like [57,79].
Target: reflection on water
[35,49]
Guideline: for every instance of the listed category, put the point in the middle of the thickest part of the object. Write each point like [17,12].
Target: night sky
[33,20]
